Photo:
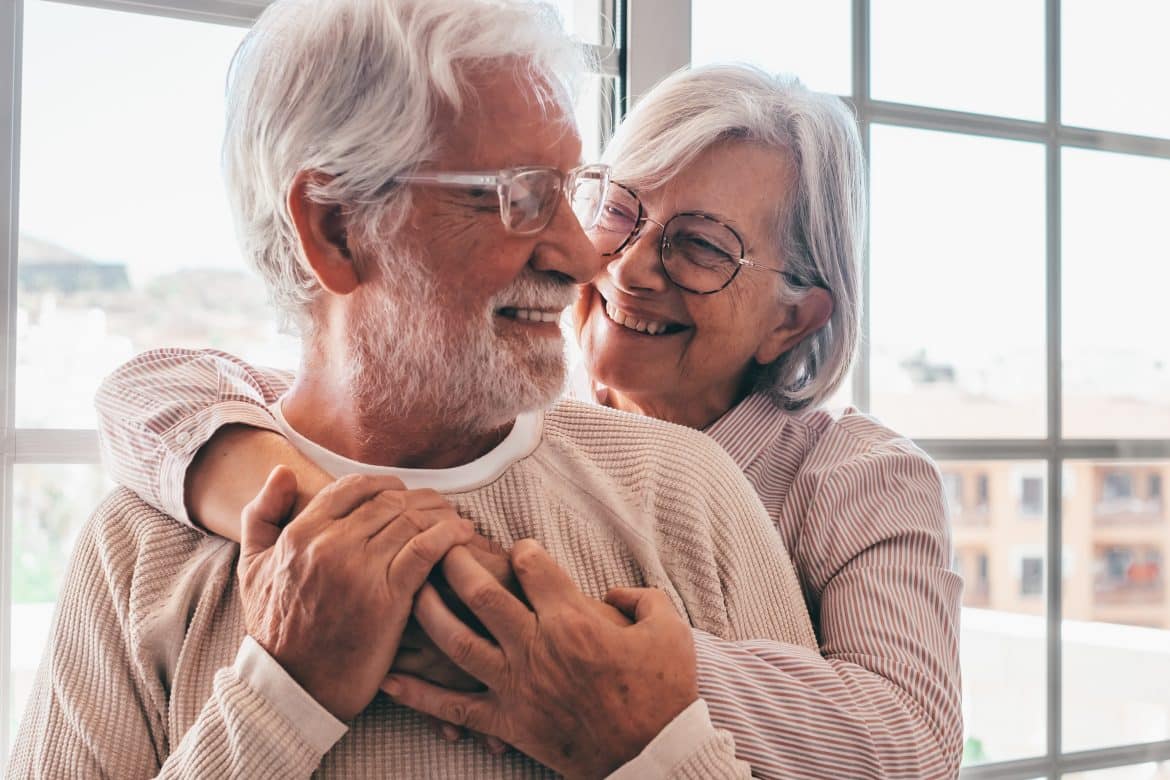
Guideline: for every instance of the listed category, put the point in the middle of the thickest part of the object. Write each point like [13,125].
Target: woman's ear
[321,230]
[794,323]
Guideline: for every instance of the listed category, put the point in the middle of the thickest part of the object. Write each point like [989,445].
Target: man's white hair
[820,225]
[352,88]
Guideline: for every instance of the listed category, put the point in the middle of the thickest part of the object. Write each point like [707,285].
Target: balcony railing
[1128,511]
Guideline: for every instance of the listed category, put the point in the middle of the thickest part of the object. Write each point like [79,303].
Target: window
[1016,321]
[982,492]
[1118,486]
[124,242]
[1031,576]
[1032,497]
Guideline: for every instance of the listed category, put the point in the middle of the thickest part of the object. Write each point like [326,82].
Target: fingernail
[450,733]
[392,687]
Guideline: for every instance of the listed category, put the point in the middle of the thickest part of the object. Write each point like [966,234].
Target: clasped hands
[563,678]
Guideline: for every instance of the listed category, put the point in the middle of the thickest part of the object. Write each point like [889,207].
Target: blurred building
[1115,538]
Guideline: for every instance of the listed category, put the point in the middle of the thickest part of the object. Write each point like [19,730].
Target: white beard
[407,356]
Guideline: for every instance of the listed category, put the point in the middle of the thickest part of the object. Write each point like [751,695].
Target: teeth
[642,326]
[536,315]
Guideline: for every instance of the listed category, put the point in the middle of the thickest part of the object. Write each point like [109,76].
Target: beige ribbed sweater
[139,677]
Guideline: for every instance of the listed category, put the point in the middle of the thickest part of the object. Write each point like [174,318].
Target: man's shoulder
[123,520]
[140,551]
[589,423]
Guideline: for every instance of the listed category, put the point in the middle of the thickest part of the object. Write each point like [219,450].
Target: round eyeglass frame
[664,244]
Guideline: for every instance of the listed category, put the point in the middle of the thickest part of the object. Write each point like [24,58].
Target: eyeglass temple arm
[790,278]
[451,179]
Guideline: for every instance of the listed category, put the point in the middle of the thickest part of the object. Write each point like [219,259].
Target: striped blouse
[861,511]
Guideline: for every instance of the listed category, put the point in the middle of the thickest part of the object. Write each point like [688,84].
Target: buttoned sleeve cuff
[184,440]
[690,730]
[263,674]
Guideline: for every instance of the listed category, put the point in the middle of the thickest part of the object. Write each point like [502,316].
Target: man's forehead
[507,122]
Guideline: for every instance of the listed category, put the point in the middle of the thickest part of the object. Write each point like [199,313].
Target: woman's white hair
[821,223]
[351,88]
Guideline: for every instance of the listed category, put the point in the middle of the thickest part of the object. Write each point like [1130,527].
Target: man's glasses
[699,253]
[529,196]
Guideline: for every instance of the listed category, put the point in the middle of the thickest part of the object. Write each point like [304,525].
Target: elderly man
[404,175]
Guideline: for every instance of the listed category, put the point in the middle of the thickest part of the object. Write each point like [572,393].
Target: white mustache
[535,292]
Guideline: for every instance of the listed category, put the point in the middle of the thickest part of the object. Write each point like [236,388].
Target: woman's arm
[883,697]
[191,433]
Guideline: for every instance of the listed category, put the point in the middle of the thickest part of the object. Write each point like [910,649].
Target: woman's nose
[637,268]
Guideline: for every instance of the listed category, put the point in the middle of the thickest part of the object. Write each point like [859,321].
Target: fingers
[641,604]
[468,710]
[546,585]
[346,494]
[468,650]
[410,564]
[502,614]
[263,516]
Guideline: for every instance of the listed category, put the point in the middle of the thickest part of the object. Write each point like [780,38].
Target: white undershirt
[520,442]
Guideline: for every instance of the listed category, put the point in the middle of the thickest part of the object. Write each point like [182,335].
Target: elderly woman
[729,304]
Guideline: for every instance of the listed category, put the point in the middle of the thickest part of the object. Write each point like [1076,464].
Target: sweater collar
[520,442]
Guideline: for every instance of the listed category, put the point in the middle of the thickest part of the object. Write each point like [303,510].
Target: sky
[122,117]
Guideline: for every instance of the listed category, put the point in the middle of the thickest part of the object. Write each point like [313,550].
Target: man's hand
[567,685]
[329,596]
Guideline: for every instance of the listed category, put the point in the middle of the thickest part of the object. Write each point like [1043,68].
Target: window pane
[50,504]
[811,40]
[1116,274]
[999,539]
[126,242]
[1116,605]
[957,283]
[1151,771]
[594,115]
[588,20]
[1115,62]
[936,54]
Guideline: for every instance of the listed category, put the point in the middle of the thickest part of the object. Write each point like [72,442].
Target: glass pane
[50,504]
[812,40]
[1116,274]
[587,20]
[997,513]
[1115,62]
[1151,771]
[594,115]
[125,238]
[957,284]
[1116,604]
[936,54]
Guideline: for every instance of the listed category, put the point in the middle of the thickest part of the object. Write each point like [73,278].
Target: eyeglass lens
[531,198]
[698,253]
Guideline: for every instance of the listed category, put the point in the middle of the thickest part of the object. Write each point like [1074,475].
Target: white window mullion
[10,41]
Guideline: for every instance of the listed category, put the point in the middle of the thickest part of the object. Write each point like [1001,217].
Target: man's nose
[564,248]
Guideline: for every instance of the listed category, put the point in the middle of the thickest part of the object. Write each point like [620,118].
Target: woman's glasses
[529,196]
[699,253]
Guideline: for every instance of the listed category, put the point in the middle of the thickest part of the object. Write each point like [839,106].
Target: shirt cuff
[266,676]
[689,731]
[182,441]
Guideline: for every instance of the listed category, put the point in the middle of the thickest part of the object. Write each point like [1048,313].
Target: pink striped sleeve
[157,410]
[866,527]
